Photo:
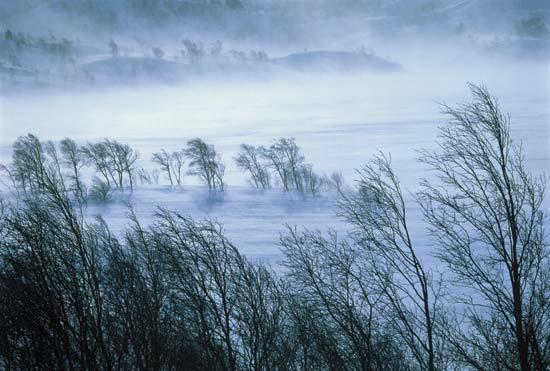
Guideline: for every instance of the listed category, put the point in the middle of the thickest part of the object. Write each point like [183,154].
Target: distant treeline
[115,14]
[177,294]
[15,46]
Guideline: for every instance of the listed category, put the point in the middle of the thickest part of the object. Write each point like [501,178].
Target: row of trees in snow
[37,166]
[282,164]
[114,166]
[177,294]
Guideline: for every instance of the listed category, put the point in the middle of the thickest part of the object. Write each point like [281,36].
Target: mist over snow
[344,78]
[253,185]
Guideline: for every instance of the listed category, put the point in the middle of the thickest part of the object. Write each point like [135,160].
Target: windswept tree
[122,159]
[145,334]
[234,308]
[378,212]
[96,155]
[486,212]
[73,159]
[115,161]
[250,160]
[37,169]
[164,159]
[178,162]
[194,51]
[338,305]
[49,270]
[148,176]
[312,182]
[172,164]
[263,319]
[75,296]
[286,160]
[205,163]
[28,168]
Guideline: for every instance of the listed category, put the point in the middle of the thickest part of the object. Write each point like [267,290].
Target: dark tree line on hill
[177,294]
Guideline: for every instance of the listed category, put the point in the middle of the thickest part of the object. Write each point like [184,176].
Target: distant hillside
[331,60]
[241,18]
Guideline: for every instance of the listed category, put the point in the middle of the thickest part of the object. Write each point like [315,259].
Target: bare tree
[137,292]
[262,318]
[312,182]
[148,176]
[96,155]
[288,163]
[487,216]
[37,171]
[73,158]
[334,278]
[28,165]
[178,294]
[165,161]
[378,212]
[122,159]
[204,270]
[172,164]
[285,159]
[205,163]
[114,161]
[193,50]
[239,55]
[178,162]
[235,308]
[250,159]
[49,271]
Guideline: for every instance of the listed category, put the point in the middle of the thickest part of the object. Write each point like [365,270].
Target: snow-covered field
[339,122]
